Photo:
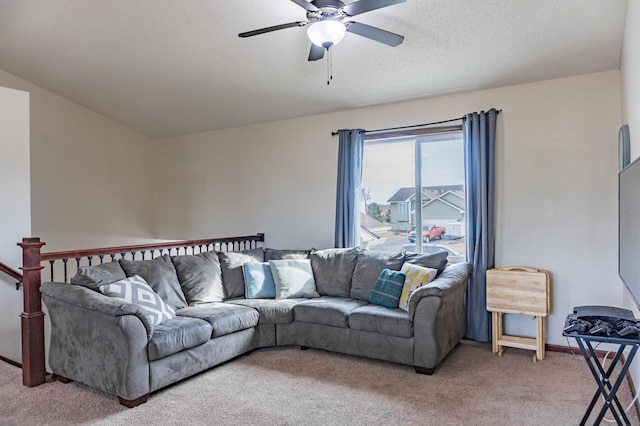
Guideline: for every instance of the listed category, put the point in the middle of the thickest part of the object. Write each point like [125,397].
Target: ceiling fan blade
[316,52]
[363,6]
[274,28]
[382,36]
[306,5]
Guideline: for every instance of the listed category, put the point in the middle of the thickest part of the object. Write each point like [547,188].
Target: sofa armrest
[97,302]
[447,281]
[97,340]
[439,315]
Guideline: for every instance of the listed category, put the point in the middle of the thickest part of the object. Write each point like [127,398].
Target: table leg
[494,332]
[602,379]
[540,338]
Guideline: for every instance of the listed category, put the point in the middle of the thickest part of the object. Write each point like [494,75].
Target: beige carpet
[287,386]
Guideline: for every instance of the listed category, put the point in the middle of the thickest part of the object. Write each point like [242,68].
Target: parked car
[429,232]
[452,257]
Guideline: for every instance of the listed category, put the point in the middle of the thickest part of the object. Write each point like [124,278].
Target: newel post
[32,317]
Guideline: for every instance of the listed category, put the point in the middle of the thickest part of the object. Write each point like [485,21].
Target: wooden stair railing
[32,319]
[12,273]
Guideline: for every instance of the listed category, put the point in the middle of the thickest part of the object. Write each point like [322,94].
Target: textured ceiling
[170,67]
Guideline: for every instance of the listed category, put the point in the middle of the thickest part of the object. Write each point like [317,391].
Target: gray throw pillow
[277,254]
[94,276]
[161,276]
[369,265]
[429,260]
[333,269]
[200,277]
[231,263]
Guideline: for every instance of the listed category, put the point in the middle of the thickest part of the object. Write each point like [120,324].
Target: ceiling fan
[328,22]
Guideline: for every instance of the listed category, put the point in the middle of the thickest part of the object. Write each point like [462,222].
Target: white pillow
[293,278]
[136,290]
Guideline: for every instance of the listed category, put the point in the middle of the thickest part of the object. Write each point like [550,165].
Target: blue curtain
[479,130]
[348,191]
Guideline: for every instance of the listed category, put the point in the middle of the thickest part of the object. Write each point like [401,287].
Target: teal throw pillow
[258,281]
[387,289]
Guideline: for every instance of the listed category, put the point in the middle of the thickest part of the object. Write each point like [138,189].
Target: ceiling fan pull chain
[329,66]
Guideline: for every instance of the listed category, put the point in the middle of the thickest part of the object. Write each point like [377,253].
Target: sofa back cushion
[231,263]
[161,276]
[436,260]
[278,254]
[368,267]
[333,270]
[94,276]
[200,277]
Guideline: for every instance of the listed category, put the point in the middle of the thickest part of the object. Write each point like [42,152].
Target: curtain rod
[415,125]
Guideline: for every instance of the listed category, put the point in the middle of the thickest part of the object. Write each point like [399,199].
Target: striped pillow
[387,289]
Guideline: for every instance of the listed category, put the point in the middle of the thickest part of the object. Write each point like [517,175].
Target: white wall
[15,208]
[557,187]
[630,76]
[87,179]
[90,176]
[630,95]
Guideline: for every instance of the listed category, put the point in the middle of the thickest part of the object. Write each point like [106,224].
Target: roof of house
[368,222]
[403,194]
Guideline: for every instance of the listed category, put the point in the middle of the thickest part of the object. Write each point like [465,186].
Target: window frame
[421,136]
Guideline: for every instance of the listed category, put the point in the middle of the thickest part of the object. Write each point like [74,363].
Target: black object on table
[603,378]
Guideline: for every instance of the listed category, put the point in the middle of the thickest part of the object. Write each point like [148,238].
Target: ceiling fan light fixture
[326,33]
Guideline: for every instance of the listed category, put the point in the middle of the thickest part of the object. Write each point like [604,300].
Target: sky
[391,166]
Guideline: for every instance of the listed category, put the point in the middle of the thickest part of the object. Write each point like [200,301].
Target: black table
[607,387]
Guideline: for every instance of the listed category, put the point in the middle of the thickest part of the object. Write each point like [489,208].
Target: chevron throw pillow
[136,290]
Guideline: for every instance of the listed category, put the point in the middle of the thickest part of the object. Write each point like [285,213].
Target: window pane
[389,200]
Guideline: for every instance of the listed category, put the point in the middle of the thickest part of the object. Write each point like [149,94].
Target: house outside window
[390,201]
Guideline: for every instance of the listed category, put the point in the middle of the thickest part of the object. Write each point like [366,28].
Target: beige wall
[87,179]
[557,187]
[90,176]
[15,207]
[630,76]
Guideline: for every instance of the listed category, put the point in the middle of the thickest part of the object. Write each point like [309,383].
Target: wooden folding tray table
[518,290]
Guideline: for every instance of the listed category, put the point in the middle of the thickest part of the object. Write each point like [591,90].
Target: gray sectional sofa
[118,347]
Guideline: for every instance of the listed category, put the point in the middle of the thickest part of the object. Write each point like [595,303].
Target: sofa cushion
[231,263]
[387,289]
[136,290]
[293,278]
[333,311]
[160,274]
[436,260]
[258,281]
[225,318]
[368,268]
[94,276]
[271,311]
[277,254]
[177,334]
[415,277]
[378,319]
[200,277]
[333,269]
